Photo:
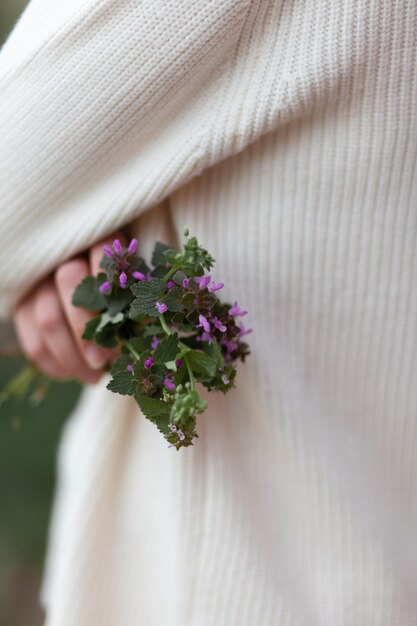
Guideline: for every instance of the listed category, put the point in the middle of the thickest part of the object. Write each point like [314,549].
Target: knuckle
[49,317]
[70,272]
[36,351]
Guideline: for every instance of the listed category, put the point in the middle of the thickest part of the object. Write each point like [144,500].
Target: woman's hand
[49,327]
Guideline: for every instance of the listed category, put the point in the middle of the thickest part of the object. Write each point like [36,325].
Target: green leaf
[201,362]
[106,318]
[122,362]
[178,277]
[156,411]
[139,344]
[118,300]
[90,328]
[158,256]
[87,294]
[123,383]
[147,293]
[167,349]
[214,351]
[173,299]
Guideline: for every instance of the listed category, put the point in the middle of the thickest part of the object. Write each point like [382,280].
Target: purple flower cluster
[121,265]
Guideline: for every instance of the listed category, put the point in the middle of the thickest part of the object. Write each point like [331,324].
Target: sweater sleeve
[106,107]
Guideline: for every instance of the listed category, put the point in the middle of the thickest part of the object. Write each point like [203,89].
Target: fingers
[57,337]
[31,341]
[67,277]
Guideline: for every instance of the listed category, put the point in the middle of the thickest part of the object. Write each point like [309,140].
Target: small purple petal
[169,384]
[234,310]
[123,280]
[105,287]
[117,246]
[129,368]
[205,337]
[244,331]
[185,283]
[108,252]
[180,434]
[139,276]
[172,428]
[170,284]
[161,307]
[218,324]
[215,287]
[149,362]
[203,281]
[203,323]
[178,362]
[155,342]
[133,246]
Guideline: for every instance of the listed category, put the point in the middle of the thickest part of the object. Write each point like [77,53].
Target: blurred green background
[28,443]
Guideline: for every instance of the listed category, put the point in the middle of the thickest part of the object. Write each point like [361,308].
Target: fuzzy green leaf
[167,349]
[123,383]
[90,328]
[156,411]
[158,256]
[147,293]
[87,294]
[118,300]
[173,299]
[201,362]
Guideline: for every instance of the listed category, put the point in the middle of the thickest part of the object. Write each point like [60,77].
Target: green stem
[129,347]
[190,372]
[164,325]
[170,273]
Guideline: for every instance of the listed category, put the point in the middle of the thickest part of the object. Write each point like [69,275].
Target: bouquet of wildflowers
[172,327]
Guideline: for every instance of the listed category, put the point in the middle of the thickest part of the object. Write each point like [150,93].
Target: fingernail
[96,358]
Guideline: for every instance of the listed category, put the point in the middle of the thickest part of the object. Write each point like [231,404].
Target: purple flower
[244,331]
[203,323]
[108,252]
[133,246]
[203,281]
[225,379]
[117,247]
[230,347]
[129,368]
[172,428]
[123,280]
[105,287]
[205,337]
[149,362]
[178,363]
[139,276]
[169,384]
[215,287]
[234,310]
[161,307]
[170,284]
[185,283]
[155,342]
[180,434]
[218,324]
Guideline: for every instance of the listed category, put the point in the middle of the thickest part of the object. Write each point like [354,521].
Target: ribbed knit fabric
[284,134]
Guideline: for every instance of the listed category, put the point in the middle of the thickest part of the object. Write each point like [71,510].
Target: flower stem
[190,372]
[129,347]
[164,325]
[170,273]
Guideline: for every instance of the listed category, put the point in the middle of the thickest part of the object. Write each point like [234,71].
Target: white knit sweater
[284,134]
